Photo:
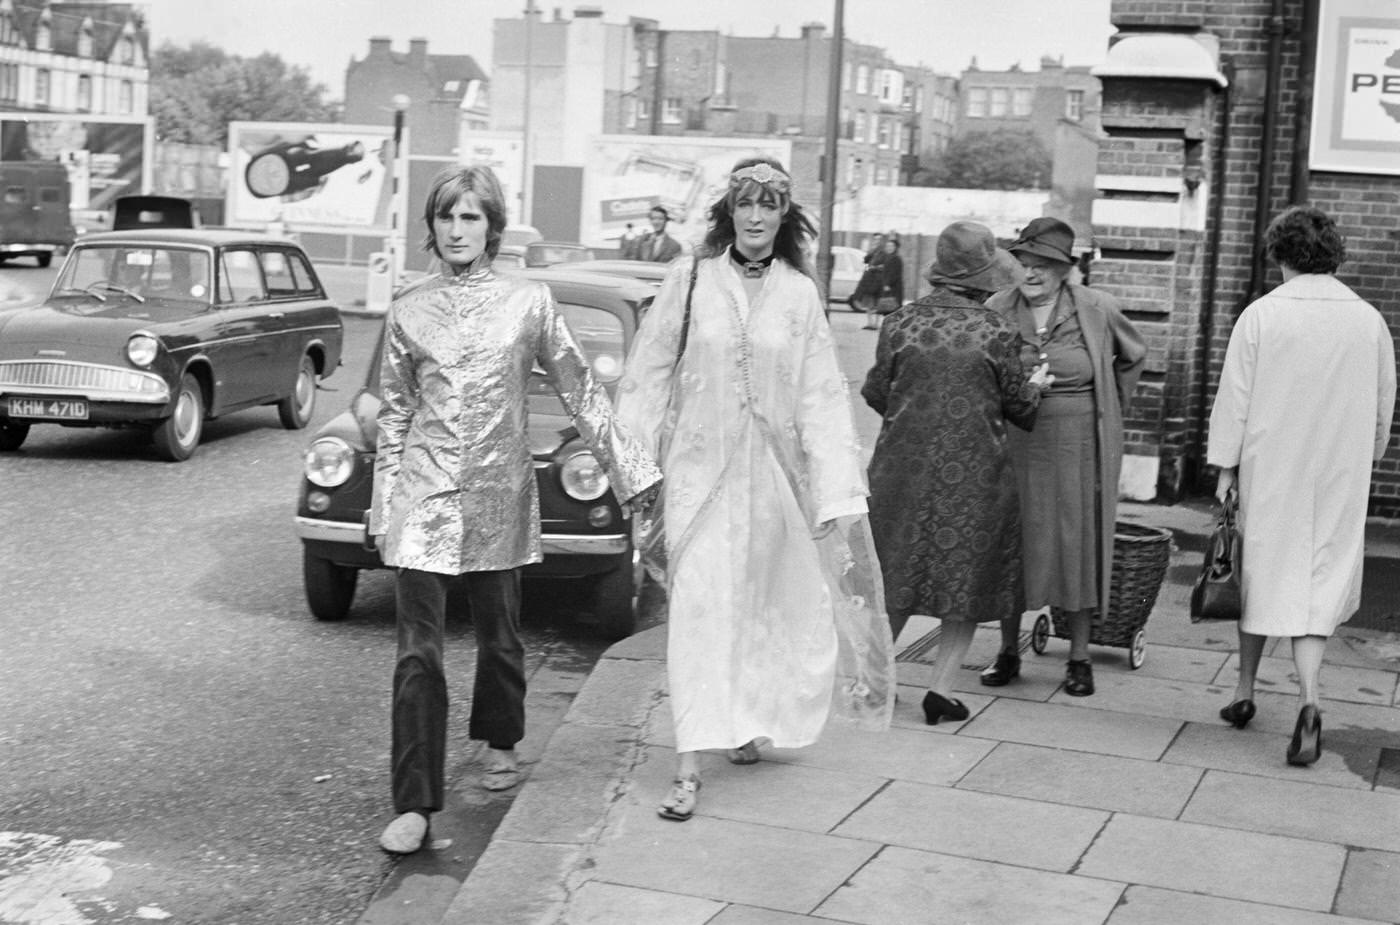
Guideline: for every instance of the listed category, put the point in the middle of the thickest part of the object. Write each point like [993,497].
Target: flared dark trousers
[420,685]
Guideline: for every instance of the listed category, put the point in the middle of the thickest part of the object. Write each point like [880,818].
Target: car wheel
[12,435]
[295,410]
[44,260]
[178,435]
[329,587]
[614,594]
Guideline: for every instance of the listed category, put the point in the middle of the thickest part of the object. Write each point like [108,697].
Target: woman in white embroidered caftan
[776,610]
[1304,408]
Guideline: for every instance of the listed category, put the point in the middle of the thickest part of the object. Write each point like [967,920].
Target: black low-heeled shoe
[1306,746]
[1079,677]
[937,707]
[1238,714]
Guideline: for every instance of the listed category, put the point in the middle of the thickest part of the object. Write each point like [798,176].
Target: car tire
[44,260]
[296,409]
[614,602]
[12,435]
[177,437]
[330,588]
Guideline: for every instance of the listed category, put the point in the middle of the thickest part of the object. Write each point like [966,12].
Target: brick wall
[1155,127]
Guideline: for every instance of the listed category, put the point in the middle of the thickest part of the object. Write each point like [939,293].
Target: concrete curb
[527,873]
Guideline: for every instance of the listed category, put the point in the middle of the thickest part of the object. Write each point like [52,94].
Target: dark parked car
[584,534]
[165,329]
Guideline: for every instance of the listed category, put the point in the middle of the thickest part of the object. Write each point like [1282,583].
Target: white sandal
[679,804]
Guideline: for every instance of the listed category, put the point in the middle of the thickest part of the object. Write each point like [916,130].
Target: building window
[862,79]
[882,176]
[846,75]
[671,110]
[630,113]
[882,137]
[977,102]
[721,83]
[889,87]
[126,98]
[85,41]
[43,37]
[1001,98]
[42,86]
[1021,102]
[9,83]
[651,56]
[1074,105]
[643,110]
[847,128]
[84,93]
[126,50]
[9,35]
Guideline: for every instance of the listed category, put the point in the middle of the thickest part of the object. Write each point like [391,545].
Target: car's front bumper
[316,530]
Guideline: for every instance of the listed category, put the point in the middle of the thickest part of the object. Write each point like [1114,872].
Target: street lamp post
[833,126]
[398,212]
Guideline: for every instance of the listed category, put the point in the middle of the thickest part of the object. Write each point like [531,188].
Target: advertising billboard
[503,153]
[310,176]
[627,175]
[1356,96]
[106,156]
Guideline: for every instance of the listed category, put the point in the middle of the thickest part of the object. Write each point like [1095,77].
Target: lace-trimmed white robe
[771,631]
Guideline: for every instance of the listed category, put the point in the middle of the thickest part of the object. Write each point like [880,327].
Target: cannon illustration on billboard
[290,168]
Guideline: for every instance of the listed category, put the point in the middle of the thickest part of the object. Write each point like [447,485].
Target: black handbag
[1217,592]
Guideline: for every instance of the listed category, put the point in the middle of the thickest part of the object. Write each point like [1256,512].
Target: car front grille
[97,383]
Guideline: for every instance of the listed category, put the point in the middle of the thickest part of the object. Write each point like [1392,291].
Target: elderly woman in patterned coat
[943,508]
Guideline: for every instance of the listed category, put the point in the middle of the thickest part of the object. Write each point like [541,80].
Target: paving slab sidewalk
[1137,805]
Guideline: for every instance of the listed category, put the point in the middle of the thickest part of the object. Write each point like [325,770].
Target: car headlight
[329,462]
[582,478]
[141,349]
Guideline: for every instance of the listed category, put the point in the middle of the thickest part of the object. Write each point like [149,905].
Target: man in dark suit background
[656,245]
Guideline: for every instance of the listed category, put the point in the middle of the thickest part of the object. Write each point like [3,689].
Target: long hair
[449,186]
[795,230]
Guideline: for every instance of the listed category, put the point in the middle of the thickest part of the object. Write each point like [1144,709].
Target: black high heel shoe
[1238,714]
[937,707]
[1306,746]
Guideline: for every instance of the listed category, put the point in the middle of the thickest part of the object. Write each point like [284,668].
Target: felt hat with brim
[1046,237]
[967,256]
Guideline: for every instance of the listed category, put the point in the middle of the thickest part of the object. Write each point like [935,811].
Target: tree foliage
[1003,159]
[197,91]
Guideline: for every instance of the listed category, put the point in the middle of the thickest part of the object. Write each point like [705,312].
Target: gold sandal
[679,804]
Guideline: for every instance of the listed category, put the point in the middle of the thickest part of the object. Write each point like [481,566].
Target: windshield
[142,271]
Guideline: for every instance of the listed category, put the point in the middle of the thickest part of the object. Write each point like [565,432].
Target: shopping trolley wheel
[1137,651]
[1040,633]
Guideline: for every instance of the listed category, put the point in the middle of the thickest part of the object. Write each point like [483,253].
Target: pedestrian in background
[776,617]
[872,282]
[1303,411]
[947,380]
[892,282]
[454,483]
[656,245]
[1067,467]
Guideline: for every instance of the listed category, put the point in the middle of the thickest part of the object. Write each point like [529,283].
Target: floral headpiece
[764,175]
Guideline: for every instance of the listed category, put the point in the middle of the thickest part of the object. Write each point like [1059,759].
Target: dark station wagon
[163,329]
[583,532]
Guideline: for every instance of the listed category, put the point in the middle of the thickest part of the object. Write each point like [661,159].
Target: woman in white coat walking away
[1304,408]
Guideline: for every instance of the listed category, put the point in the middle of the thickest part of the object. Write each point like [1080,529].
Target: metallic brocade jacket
[454,485]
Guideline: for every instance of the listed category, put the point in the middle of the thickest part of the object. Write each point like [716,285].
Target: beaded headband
[764,175]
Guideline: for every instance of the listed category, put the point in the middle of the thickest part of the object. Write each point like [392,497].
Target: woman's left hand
[1223,483]
[644,500]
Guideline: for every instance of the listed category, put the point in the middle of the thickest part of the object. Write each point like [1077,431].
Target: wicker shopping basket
[1140,557]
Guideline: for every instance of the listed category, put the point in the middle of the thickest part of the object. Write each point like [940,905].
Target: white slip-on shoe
[405,834]
[502,770]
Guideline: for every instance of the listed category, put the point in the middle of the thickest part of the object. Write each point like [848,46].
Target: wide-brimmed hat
[1046,237]
[967,255]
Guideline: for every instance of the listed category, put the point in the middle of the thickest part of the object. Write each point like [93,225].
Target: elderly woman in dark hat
[1067,467]
[947,378]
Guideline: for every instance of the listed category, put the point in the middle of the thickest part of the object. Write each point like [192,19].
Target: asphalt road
[179,739]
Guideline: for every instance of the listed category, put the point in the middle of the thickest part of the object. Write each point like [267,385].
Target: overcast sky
[323,35]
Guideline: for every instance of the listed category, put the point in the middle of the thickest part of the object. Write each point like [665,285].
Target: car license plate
[54,409]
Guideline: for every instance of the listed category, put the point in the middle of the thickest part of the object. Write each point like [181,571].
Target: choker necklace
[753,269]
